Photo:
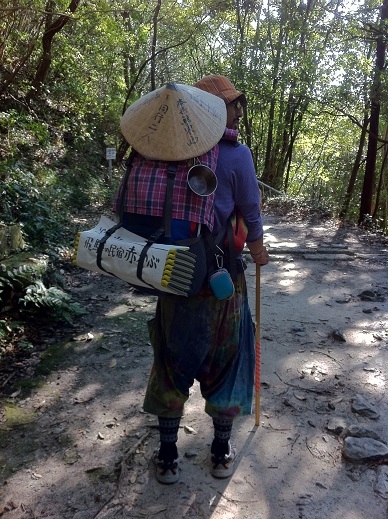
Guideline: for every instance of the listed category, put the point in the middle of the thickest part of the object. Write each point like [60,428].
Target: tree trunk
[370,166]
[51,29]
[154,42]
[355,169]
[383,172]
[361,144]
[268,173]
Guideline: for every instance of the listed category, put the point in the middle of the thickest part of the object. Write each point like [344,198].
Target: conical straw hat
[175,122]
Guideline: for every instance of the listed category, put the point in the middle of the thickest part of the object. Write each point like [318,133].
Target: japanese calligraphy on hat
[175,122]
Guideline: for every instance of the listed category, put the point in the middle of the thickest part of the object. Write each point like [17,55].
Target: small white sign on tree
[110,155]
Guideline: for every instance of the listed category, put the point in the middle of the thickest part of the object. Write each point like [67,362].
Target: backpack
[155,264]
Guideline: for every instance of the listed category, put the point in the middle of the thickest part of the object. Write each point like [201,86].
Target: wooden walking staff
[257,349]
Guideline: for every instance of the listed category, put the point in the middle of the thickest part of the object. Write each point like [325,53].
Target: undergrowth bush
[26,301]
[28,201]
[297,208]
[39,299]
[22,289]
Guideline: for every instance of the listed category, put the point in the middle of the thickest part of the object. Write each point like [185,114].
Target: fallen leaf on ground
[189,429]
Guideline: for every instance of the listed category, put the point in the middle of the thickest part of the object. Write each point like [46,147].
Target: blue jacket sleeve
[247,193]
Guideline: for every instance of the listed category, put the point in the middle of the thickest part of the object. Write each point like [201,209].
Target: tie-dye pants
[202,338]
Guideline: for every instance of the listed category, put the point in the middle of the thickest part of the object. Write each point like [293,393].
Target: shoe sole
[222,471]
[168,478]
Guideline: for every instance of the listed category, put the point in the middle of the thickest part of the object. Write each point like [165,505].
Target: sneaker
[222,466]
[167,472]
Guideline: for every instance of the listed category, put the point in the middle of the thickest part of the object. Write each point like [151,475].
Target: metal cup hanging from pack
[201,179]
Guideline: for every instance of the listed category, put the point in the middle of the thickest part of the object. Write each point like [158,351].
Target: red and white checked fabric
[146,189]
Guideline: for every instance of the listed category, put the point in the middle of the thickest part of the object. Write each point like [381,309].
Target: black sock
[168,430]
[222,434]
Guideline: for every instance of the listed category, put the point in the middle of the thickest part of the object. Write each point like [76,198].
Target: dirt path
[78,445]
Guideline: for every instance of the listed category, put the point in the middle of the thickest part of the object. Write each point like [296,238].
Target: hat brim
[175,122]
[242,99]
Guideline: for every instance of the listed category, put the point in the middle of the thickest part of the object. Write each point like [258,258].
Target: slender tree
[54,24]
[375,100]
[154,43]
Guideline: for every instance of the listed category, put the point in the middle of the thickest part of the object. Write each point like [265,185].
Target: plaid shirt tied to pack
[146,190]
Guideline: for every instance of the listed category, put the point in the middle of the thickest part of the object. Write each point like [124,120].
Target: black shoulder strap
[167,217]
[101,245]
[171,173]
[124,185]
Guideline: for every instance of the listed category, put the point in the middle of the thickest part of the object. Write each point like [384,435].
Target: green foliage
[302,65]
[39,299]
[13,283]
[27,202]
[22,288]
[298,209]
[26,136]
[11,330]
[5,329]
[40,177]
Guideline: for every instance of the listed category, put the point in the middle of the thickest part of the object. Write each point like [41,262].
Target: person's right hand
[261,258]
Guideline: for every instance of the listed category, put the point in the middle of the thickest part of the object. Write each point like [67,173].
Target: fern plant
[19,276]
[52,300]
[13,282]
